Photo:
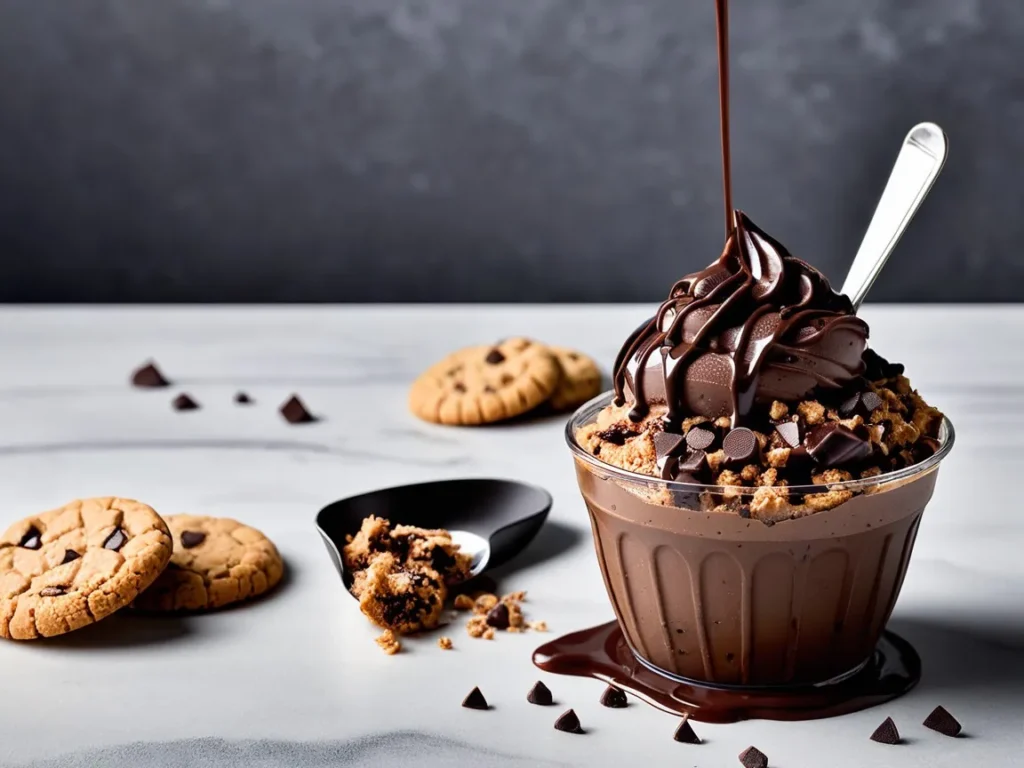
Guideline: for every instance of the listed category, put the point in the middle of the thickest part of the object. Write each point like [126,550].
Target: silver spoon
[918,164]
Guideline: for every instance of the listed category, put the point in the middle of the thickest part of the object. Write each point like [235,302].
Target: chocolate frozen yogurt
[756,479]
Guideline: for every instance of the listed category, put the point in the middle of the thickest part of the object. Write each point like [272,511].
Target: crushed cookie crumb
[488,633]
[464,603]
[484,603]
[515,597]
[778,457]
[812,411]
[750,472]
[778,411]
[538,626]
[389,642]
[477,626]
[444,643]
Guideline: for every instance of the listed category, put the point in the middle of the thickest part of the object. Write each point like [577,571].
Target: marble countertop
[296,680]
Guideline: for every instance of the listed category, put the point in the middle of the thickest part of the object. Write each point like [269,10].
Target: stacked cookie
[487,384]
[73,566]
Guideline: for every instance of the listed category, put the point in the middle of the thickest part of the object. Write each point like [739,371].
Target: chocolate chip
[540,695]
[69,556]
[184,403]
[740,447]
[886,733]
[568,722]
[833,445]
[667,444]
[877,367]
[242,398]
[32,539]
[860,404]
[295,412]
[115,540]
[475,700]
[684,733]
[489,389]
[614,698]
[497,617]
[869,401]
[460,387]
[494,357]
[789,433]
[701,439]
[940,720]
[752,757]
[191,539]
[149,376]
[51,591]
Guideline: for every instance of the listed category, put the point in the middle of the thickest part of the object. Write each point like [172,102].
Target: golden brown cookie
[75,565]
[581,379]
[481,385]
[216,561]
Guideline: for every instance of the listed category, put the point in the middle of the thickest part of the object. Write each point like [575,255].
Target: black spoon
[492,520]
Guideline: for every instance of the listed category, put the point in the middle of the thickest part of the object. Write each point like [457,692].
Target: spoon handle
[918,164]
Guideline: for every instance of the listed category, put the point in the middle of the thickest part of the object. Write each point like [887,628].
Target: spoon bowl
[492,520]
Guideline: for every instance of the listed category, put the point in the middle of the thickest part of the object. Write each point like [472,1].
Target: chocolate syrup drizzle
[756,304]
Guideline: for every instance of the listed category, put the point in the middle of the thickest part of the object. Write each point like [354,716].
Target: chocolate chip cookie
[64,569]
[216,561]
[581,379]
[482,385]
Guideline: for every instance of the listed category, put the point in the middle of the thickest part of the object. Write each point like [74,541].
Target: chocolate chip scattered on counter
[184,403]
[540,695]
[191,539]
[69,556]
[475,700]
[32,539]
[51,591]
[242,398]
[886,733]
[116,540]
[614,698]
[684,733]
[740,447]
[832,445]
[149,376]
[494,357]
[752,757]
[940,720]
[295,412]
[789,432]
[498,616]
[701,439]
[568,722]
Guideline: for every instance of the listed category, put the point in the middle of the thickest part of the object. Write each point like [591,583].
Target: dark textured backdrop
[348,150]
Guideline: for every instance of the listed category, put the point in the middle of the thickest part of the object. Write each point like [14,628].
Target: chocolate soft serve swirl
[757,325]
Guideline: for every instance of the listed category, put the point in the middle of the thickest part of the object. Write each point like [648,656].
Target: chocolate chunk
[51,591]
[242,398]
[540,695]
[191,539]
[614,698]
[789,433]
[668,444]
[740,447]
[295,412]
[475,700]
[32,539]
[494,357]
[701,438]
[752,757]
[497,617]
[886,733]
[617,434]
[69,556]
[696,465]
[940,720]
[860,404]
[869,401]
[568,722]
[684,733]
[149,376]
[116,540]
[184,403]
[877,367]
[832,445]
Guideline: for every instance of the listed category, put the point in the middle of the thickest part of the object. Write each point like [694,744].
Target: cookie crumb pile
[493,383]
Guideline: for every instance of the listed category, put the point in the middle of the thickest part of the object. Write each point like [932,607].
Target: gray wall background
[515,150]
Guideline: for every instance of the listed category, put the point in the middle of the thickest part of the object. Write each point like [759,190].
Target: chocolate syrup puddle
[601,652]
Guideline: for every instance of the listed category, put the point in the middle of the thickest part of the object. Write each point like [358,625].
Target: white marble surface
[299,672]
